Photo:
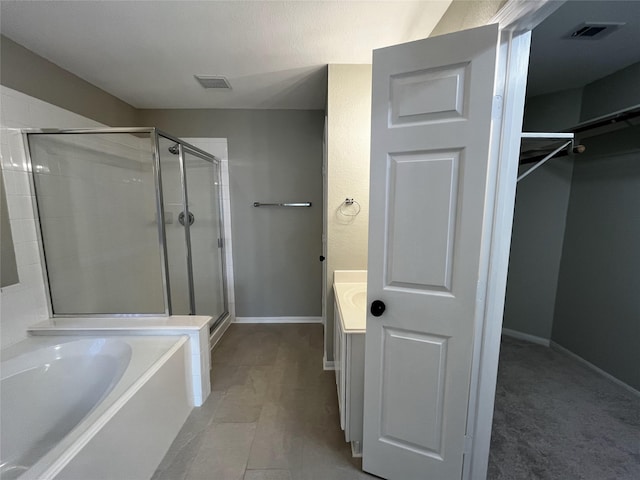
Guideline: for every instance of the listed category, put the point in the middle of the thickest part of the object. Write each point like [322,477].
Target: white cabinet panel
[349,368]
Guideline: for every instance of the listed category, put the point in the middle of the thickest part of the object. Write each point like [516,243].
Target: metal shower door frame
[154,134]
[185,147]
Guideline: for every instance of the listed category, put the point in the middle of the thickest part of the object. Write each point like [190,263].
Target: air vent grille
[594,30]
[213,81]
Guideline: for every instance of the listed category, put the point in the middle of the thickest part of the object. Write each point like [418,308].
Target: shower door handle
[181,218]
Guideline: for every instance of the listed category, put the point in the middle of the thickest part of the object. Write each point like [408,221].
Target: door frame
[516,19]
[326,365]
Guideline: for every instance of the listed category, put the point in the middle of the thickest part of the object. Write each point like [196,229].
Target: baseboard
[328,365]
[356,449]
[586,363]
[278,320]
[525,336]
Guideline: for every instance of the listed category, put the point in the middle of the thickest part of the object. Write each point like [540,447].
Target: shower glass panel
[130,223]
[96,200]
[175,239]
[205,234]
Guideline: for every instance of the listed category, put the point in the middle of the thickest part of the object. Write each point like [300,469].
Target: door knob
[377,308]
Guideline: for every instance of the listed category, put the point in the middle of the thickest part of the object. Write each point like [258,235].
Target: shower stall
[130,222]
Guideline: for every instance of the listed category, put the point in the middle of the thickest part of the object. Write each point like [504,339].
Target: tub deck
[129,431]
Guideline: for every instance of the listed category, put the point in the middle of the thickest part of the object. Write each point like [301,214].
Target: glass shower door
[192,229]
[205,233]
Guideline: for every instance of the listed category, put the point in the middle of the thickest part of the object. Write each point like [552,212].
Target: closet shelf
[612,121]
[539,147]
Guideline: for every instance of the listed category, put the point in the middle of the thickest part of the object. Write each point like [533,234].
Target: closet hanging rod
[299,204]
[564,153]
[607,120]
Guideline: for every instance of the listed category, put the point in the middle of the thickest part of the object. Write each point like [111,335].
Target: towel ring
[349,202]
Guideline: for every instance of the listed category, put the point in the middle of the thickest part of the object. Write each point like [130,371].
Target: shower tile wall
[25,303]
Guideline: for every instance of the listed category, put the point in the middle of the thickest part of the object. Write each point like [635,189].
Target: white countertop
[350,289]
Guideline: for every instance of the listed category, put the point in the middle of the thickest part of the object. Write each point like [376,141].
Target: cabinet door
[354,387]
[338,363]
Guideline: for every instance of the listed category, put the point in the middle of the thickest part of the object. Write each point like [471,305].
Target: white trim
[513,64]
[527,337]
[356,449]
[325,223]
[516,19]
[586,363]
[278,320]
[523,15]
[326,364]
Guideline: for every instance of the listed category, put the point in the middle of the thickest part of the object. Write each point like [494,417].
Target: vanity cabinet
[348,348]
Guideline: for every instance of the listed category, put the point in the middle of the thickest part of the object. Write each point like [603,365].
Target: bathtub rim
[143,365]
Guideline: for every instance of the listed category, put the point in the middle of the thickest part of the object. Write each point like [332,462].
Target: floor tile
[267,475]
[247,347]
[240,405]
[275,412]
[222,377]
[185,447]
[223,452]
[278,441]
[227,377]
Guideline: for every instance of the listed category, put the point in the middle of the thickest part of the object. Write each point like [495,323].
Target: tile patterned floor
[272,414]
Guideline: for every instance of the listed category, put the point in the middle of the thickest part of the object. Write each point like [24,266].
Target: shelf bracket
[545,159]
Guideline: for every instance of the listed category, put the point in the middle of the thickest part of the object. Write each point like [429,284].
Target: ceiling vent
[594,30]
[213,81]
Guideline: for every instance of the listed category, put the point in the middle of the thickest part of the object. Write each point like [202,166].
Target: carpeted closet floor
[556,419]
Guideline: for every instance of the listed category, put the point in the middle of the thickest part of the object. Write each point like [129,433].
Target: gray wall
[553,112]
[539,219]
[274,155]
[612,93]
[597,314]
[29,73]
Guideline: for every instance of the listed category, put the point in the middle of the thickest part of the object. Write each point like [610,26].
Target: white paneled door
[431,198]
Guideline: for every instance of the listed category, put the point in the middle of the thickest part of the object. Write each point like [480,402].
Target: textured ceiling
[558,63]
[273,53]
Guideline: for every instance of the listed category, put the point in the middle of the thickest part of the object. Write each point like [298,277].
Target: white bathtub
[93,408]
